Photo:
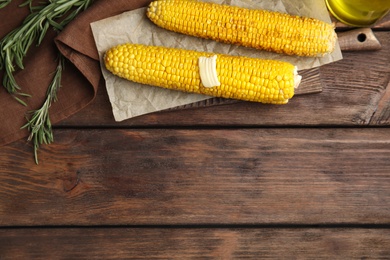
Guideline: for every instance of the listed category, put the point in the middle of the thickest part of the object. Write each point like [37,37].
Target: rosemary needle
[4,3]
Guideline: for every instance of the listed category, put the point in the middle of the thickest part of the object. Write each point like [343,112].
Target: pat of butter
[208,71]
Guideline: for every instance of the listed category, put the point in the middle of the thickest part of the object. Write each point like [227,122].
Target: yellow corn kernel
[252,81]
[259,29]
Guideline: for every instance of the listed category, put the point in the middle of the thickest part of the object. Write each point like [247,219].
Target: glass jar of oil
[360,13]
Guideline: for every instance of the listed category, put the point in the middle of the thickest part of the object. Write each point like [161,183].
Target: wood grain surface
[203,243]
[307,180]
[199,176]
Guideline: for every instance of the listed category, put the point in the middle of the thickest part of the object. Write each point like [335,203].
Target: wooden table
[310,179]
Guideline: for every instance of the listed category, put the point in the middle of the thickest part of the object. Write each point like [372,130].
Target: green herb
[4,3]
[39,123]
[14,46]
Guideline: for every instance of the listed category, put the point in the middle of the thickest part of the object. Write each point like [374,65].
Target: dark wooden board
[382,114]
[353,92]
[199,176]
[215,182]
[194,243]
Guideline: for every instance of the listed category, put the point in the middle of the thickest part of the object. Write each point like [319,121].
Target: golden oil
[361,13]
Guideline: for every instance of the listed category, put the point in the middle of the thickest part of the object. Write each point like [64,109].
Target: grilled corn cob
[260,29]
[234,77]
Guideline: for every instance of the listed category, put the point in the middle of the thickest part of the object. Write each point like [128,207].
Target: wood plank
[201,243]
[199,176]
[353,89]
[382,113]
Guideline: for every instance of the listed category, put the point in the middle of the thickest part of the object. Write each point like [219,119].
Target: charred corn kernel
[260,29]
[253,80]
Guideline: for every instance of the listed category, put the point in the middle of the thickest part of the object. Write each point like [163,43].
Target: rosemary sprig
[39,123]
[15,45]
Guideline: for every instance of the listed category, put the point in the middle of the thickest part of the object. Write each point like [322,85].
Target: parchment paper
[129,99]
